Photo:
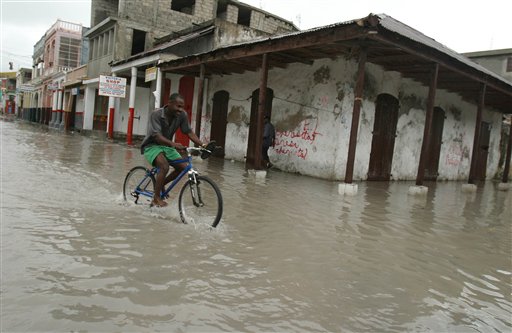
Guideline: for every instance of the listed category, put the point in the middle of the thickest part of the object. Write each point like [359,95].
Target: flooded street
[290,254]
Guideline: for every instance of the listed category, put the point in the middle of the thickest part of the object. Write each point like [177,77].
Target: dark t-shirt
[159,124]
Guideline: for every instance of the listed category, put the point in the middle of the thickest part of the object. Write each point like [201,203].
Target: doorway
[252,142]
[483,151]
[383,141]
[219,120]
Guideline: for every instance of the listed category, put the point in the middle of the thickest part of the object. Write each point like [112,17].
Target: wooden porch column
[476,138]
[261,111]
[356,111]
[200,93]
[506,169]
[428,125]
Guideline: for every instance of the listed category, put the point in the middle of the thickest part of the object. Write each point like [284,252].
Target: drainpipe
[111,112]
[131,106]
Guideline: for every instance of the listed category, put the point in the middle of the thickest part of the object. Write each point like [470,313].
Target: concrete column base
[468,188]
[257,173]
[347,189]
[504,186]
[418,190]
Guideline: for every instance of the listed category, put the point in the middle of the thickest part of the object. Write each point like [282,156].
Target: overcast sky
[462,25]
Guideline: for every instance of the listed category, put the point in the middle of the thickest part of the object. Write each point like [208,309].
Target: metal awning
[389,43]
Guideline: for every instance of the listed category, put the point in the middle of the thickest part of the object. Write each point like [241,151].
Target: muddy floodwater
[290,254]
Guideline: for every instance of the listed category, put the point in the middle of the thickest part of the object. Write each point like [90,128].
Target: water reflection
[291,254]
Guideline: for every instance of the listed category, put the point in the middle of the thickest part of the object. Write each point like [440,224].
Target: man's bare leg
[177,169]
[163,165]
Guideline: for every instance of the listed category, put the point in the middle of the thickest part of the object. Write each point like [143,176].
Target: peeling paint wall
[312,114]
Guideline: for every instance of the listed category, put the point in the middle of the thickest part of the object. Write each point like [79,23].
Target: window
[183,6]
[69,52]
[244,16]
[509,64]
[138,41]
[222,8]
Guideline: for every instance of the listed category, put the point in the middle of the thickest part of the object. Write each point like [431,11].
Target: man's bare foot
[158,203]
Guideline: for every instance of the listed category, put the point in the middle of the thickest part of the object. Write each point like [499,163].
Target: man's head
[176,103]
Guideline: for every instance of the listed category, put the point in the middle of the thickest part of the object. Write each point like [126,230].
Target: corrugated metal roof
[404,30]
[390,44]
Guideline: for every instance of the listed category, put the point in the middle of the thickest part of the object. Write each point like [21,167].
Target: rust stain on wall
[408,102]
[341,92]
[456,112]
[292,122]
[322,75]
[237,116]
[369,87]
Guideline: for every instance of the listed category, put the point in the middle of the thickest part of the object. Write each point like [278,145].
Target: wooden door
[100,113]
[383,141]
[436,138]
[483,150]
[251,142]
[219,120]
[186,89]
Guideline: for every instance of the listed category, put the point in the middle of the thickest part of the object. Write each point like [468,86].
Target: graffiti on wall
[454,155]
[297,142]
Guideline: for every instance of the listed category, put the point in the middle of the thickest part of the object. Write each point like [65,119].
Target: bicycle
[199,199]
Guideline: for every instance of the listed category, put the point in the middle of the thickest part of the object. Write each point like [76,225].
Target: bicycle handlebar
[199,149]
[204,152]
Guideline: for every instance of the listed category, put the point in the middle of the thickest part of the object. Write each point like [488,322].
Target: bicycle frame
[188,169]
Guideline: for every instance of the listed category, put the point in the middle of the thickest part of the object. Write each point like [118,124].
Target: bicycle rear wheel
[139,186]
[200,202]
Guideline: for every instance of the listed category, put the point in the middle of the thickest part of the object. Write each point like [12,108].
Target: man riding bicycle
[158,147]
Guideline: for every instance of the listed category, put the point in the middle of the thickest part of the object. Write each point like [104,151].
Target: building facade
[498,61]
[56,53]
[8,92]
[369,99]
[128,37]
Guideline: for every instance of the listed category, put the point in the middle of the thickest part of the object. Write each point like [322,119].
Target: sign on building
[112,86]
[27,88]
[150,74]
[53,86]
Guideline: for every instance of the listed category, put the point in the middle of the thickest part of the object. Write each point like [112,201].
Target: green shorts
[151,152]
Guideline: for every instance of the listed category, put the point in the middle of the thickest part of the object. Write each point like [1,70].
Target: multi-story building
[23,76]
[498,61]
[129,37]
[8,92]
[57,52]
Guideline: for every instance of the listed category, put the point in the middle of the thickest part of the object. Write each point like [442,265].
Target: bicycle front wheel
[139,186]
[200,201]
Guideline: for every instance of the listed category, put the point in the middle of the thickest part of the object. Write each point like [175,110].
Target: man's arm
[162,140]
[195,139]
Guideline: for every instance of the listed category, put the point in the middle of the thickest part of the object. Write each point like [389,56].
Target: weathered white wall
[143,102]
[312,113]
